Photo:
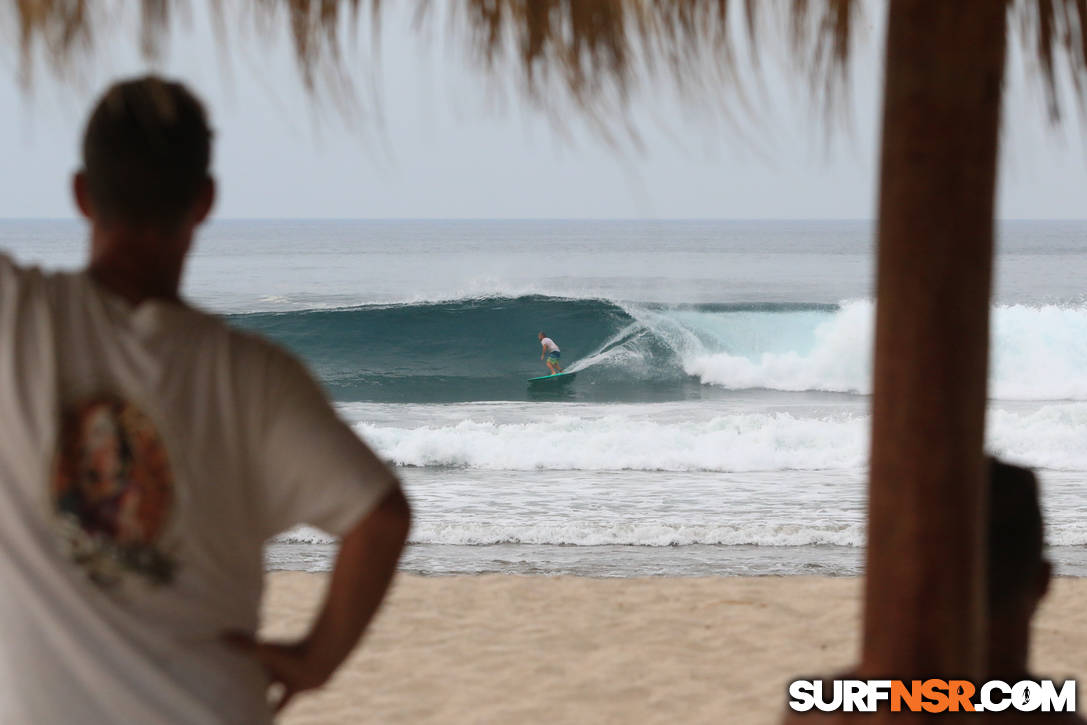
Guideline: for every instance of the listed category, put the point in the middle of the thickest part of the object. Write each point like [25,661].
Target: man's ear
[82,195]
[205,201]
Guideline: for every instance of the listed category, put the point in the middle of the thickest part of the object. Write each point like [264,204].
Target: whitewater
[671,438]
[719,420]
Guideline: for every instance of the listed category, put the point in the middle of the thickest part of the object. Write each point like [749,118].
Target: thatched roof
[591,51]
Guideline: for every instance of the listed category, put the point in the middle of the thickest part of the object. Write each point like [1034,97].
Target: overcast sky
[447,147]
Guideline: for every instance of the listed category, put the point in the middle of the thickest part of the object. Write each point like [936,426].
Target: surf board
[555,378]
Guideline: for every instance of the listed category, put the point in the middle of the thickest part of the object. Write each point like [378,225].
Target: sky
[441,140]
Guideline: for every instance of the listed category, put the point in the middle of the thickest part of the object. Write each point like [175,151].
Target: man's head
[1018,572]
[146,152]
[541,335]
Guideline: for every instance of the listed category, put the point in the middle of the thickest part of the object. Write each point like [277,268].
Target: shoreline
[495,648]
[602,561]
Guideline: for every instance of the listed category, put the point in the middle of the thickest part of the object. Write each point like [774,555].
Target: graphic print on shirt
[113,492]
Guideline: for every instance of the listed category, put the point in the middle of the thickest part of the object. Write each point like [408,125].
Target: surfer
[550,353]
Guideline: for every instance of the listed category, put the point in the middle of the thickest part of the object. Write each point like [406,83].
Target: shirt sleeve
[315,470]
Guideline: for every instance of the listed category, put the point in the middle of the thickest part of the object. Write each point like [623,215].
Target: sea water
[718,423]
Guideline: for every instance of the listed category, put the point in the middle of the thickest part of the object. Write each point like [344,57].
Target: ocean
[718,423]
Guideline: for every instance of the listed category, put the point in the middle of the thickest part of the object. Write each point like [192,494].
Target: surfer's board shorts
[553,355]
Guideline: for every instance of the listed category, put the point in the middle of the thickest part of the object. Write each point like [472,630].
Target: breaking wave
[486,348]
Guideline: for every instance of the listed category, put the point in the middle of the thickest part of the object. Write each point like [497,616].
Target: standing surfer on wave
[550,351]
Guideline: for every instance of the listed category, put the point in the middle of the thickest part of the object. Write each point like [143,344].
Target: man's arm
[364,567]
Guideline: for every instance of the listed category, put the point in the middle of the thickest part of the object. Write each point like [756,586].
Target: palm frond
[593,52]
[1054,32]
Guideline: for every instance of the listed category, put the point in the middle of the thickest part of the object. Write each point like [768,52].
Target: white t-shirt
[146,453]
[549,345]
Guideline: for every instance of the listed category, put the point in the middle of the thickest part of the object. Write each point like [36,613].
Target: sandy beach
[506,649]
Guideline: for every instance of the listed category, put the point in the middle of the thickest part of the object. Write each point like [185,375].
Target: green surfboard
[556,378]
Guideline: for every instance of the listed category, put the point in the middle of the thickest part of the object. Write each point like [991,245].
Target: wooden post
[924,609]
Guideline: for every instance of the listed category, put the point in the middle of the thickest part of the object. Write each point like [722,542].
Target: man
[1018,573]
[550,353]
[146,452]
[1018,579]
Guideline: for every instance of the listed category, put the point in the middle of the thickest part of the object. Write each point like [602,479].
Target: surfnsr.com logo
[932,695]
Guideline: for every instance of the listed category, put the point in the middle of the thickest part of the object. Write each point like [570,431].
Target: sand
[506,649]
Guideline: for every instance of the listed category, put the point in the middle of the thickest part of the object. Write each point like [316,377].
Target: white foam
[1053,437]
[593,533]
[1066,533]
[1049,437]
[596,533]
[739,442]
[839,359]
[1038,353]
[582,533]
